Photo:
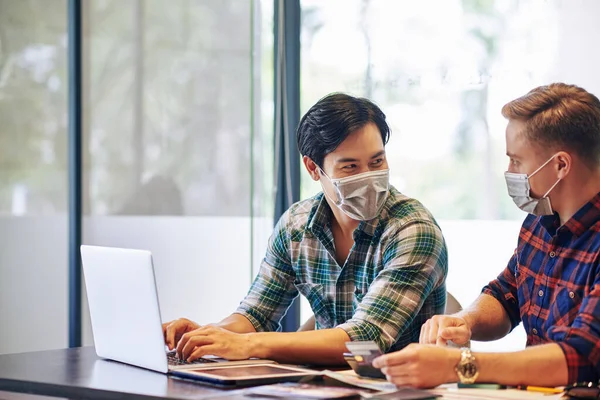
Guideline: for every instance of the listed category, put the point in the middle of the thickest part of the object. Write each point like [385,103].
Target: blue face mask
[361,196]
[520,191]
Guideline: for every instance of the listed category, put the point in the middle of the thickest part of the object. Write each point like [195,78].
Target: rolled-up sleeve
[504,289]
[580,342]
[273,288]
[415,262]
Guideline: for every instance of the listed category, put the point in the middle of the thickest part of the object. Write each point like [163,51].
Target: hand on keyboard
[174,360]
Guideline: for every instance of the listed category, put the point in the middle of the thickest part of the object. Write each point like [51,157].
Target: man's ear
[311,167]
[564,161]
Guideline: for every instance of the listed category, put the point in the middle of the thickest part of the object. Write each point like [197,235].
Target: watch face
[468,369]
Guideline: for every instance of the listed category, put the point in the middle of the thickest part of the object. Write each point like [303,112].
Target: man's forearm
[324,347]
[236,323]
[543,365]
[486,318]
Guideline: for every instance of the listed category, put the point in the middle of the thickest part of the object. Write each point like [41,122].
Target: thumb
[171,333]
[456,334]
[378,362]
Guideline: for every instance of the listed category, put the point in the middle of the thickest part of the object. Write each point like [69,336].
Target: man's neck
[577,192]
[345,224]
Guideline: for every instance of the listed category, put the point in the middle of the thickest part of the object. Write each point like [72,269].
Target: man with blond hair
[552,281]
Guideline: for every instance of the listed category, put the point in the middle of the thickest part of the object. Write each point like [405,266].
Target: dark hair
[560,115]
[329,122]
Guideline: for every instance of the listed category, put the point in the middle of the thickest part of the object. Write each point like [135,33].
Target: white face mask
[520,191]
[361,196]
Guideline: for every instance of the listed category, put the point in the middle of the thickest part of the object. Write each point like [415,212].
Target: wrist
[467,319]
[467,369]
[469,322]
[256,345]
[454,357]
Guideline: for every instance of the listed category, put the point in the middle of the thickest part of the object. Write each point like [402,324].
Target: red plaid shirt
[552,285]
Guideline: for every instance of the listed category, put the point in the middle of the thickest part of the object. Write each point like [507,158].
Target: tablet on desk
[246,375]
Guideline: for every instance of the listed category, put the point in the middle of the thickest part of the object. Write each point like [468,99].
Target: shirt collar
[581,221]
[586,217]
[320,215]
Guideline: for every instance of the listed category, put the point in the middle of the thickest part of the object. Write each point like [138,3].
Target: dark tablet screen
[248,371]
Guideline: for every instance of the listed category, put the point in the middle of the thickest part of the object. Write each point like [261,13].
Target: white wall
[33,283]
[478,251]
[202,265]
[578,59]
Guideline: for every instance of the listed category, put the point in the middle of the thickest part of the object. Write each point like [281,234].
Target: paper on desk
[351,378]
[490,394]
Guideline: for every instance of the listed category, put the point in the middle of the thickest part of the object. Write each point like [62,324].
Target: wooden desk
[79,374]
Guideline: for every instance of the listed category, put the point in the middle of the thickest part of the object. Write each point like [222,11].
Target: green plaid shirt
[392,282]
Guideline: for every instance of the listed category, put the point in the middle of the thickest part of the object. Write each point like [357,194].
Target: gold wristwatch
[467,368]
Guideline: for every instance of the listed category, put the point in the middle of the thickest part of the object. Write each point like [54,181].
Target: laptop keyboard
[174,360]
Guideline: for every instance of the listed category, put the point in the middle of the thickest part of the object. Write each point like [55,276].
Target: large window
[170,100]
[175,128]
[177,152]
[33,174]
[441,71]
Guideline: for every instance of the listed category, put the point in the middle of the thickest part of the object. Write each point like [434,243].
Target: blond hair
[560,116]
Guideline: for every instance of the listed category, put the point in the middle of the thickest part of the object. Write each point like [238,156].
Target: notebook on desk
[125,312]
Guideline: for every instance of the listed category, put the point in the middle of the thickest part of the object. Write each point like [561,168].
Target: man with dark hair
[552,281]
[371,262]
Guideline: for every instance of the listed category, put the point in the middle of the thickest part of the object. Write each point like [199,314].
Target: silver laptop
[125,313]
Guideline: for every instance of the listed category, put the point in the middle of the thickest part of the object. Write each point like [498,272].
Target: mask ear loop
[541,166]
[553,186]
[336,202]
[538,170]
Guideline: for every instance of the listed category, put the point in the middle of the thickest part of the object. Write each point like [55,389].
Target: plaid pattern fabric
[392,281]
[552,285]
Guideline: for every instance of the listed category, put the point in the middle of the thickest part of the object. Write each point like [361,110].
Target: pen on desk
[540,389]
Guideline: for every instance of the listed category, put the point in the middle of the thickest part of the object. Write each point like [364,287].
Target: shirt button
[571,294]
[552,254]
[534,331]
[541,293]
